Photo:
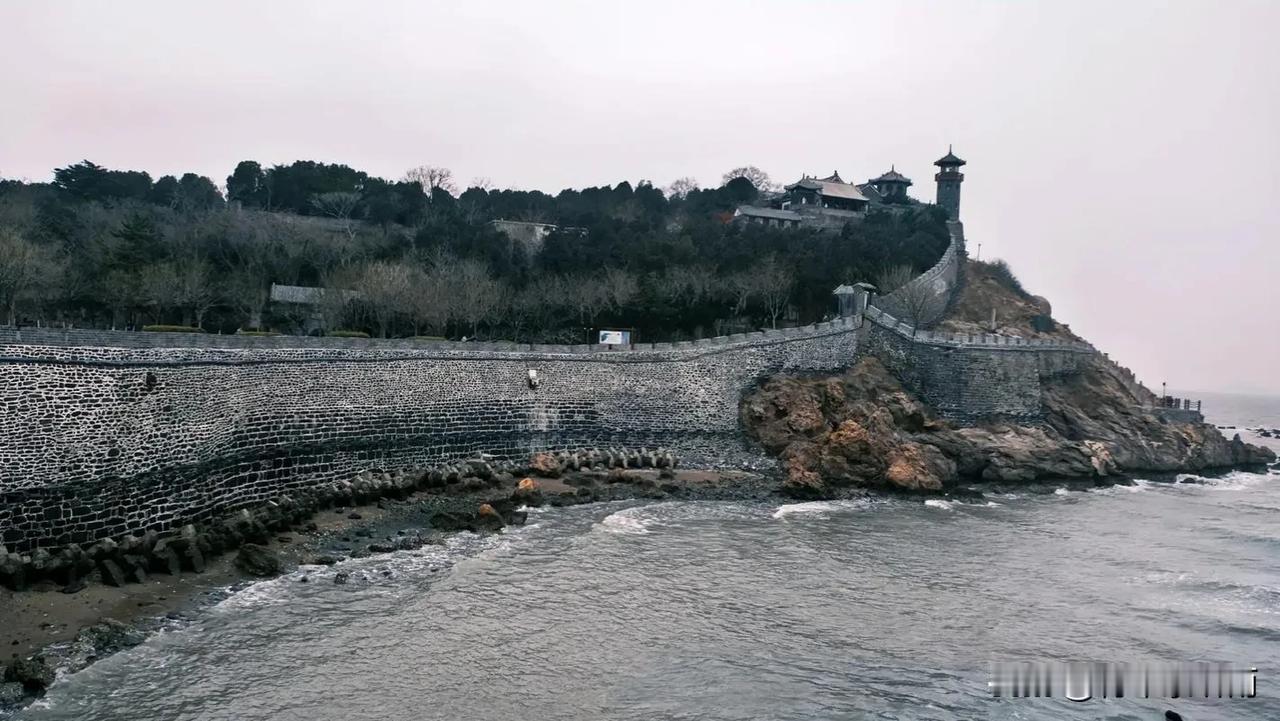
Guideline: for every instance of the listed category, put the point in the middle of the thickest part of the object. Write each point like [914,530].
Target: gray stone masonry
[101,441]
[106,433]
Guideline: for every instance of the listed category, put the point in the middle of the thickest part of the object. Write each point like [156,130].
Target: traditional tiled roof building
[768,216]
[830,202]
[830,193]
[891,187]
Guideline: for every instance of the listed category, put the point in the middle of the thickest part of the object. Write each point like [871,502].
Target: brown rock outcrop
[863,429]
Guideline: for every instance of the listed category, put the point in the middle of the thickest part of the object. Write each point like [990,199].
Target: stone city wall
[941,282]
[104,433]
[965,377]
[972,380]
[99,440]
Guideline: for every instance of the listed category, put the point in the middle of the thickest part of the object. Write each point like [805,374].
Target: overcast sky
[1124,157]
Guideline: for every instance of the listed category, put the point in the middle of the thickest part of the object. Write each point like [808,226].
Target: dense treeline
[107,248]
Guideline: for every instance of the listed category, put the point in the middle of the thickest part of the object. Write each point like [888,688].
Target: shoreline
[45,616]
[45,621]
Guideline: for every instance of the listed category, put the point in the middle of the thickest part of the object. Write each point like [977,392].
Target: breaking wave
[952,505]
[821,508]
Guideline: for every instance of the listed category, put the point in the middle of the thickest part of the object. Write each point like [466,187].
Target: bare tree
[758,177]
[587,296]
[893,278]
[681,187]
[248,291]
[774,282]
[539,305]
[740,288]
[333,306]
[123,290]
[431,177]
[918,302]
[686,285]
[482,182]
[621,288]
[385,291]
[429,301]
[195,293]
[477,296]
[25,270]
[339,205]
[158,289]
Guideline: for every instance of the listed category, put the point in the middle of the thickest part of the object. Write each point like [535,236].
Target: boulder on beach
[258,561]
[111,573]
[11,693]
[488,519]
[545,464]
[107,637]
[35,674]
[528,492]
[805,485]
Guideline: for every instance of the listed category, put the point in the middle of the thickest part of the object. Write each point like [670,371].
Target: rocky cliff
[862,428]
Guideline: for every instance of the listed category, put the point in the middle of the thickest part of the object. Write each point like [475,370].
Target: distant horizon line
[1189,393]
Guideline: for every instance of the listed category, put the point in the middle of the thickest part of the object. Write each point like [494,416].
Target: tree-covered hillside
[106,248]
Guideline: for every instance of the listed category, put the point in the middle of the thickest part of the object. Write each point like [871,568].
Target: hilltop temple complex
[831,202]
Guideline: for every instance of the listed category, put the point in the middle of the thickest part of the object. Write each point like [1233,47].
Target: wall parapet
[83,337]
[983,340]
[99,440]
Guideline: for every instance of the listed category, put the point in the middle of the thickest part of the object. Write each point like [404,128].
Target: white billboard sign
[615,337]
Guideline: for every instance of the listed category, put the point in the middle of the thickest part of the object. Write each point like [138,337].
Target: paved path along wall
[99,441]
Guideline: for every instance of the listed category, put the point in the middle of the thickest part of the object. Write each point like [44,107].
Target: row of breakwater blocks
[129,557]
[104,435]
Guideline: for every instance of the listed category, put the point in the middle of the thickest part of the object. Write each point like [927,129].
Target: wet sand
[33,619]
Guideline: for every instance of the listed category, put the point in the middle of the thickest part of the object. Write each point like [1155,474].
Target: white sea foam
[373,569]
[1137,487]
[626,521]
[1234,481]
[1061,492]
[819,508]
[953,505]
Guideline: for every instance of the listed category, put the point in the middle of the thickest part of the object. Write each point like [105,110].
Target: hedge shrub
[171,329]
[1003,274]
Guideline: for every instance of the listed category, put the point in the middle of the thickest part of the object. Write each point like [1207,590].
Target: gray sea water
[884,609]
